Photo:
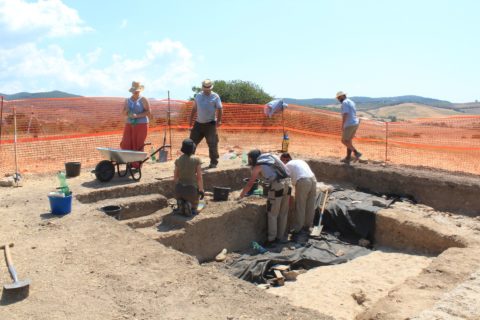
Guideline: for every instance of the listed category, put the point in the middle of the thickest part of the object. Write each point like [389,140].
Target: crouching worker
[188,179]
[274,173]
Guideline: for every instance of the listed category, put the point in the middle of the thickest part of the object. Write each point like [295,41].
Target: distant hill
[28,95]
[366,103]
[406,111]
[469,108]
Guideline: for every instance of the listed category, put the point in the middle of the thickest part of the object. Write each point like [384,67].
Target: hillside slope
[406,111]
[36,95]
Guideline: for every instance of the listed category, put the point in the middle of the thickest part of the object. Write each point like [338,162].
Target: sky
[296,49]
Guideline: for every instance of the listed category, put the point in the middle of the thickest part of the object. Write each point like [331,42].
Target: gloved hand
[202,194]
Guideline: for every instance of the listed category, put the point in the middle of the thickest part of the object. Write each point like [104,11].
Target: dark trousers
[209,132]
[188,193]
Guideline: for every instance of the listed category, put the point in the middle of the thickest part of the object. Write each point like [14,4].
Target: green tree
[238,91]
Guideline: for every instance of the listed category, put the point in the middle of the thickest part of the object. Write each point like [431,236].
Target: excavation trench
[400,246]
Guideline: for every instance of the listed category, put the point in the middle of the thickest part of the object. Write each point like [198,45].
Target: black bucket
[72,169]
[112,210]
[220,193]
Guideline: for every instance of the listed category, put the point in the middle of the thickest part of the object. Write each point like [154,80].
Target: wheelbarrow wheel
[105,170]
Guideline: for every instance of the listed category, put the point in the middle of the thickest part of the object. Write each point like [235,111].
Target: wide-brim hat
[207,84]
[340,93]
[136,86]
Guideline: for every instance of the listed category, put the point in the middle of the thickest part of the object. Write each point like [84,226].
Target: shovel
[17,284]
[317,230]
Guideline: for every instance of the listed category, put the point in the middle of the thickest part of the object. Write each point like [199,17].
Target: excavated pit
[404,243]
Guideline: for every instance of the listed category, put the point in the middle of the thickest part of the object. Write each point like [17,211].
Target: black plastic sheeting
[314,253]
[349,216]
[352,214]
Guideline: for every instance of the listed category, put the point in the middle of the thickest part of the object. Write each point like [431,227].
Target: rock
[290,275]
[340,253]
[363,242]
[7,182]
[379,203]
[263,286]
[359,297]
[221,256]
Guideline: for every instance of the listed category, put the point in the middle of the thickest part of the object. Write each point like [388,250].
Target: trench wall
[232,178]
[233,229]
[441,191]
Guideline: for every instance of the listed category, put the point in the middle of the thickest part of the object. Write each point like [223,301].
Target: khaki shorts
[349,132]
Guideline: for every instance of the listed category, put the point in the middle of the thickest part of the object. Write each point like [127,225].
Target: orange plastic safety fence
[53,131]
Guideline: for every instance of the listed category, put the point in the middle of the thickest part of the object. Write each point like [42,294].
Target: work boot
[269,244]
[357,156]
[187,209]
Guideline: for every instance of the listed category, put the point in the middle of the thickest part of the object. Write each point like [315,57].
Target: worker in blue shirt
[350,124]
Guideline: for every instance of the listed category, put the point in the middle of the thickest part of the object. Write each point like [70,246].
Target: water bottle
[63,183]
[258,247]
[244,158]
[153,157]
[132,121]
[285,142]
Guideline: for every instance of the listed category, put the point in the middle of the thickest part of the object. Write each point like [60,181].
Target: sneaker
[294,236]
[346,160]
[194,212]
[357,156]
[212,166]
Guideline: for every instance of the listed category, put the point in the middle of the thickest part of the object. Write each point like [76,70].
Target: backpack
[277,165]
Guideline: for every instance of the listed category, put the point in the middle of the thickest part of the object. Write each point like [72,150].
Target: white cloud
[29,64]
[49,18]
[165,65]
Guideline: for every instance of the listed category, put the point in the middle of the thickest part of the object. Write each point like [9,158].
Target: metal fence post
[386,142]
[1,121]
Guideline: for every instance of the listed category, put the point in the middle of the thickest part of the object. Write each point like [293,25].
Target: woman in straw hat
[136,110]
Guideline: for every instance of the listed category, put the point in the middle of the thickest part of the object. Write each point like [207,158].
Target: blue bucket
[60,205]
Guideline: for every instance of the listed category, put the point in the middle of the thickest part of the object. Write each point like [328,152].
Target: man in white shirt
[305,183]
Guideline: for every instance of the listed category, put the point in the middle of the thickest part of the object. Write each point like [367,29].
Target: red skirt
[134,137]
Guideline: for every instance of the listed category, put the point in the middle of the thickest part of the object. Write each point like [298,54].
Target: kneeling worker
[188,179]
[305,183]
[274,173]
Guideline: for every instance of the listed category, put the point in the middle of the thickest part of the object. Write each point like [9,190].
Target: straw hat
[340,93]
[207,84]
[136,86]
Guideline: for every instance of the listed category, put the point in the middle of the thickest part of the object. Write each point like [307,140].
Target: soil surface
[86,265]
[348,289]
